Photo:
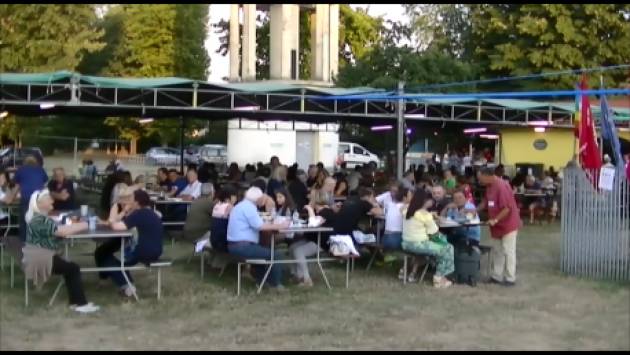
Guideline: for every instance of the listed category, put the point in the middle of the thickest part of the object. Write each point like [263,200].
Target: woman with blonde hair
[277,181]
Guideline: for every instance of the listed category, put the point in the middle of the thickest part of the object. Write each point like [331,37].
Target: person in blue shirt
[146,248]
[30,177]
[243,235]
[462,210]
[177,183]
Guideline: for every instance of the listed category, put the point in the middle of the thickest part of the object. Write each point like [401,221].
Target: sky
[220,65]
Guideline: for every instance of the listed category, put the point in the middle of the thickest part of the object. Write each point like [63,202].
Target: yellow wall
[517,146]
[625,135]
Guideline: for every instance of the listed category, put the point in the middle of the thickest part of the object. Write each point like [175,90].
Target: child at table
[40,258]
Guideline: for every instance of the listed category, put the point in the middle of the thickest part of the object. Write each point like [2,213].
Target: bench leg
[321,269]
[238,280]
[201,265]
[405,270]
[369,265]
[424,271]
[25,292]
[52,299]
[1,256]
[262,283]
[223,269]
[159,283]
[13,273]
[347,273]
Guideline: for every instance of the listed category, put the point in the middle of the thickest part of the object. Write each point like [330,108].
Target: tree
[444,27]
[147,46]
[522,39]
[47,38]
[388,63]
[358,33]
[191,29]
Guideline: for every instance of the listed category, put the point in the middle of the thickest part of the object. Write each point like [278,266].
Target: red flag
[589,152]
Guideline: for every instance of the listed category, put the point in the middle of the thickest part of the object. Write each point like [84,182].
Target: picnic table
[289,233]
[100,233]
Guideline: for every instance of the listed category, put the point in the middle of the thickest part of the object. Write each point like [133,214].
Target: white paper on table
[606,178]
[315,221]
[201,244]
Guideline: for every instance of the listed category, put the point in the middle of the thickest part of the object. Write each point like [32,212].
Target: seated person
[341,189]
[532,202]
[440,201]
[146,248]
[62,191]
[327,188]
[243,236]
[163,179]
[121,206]
[192,191]
[226,199]
[7,193]
[449,181]
[463,210]
[354,209]
[298,190]
[41,241]
[177,183]
[465,186]
[418,225]
[199,218]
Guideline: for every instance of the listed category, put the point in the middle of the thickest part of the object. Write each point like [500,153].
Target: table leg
[122,268]
[321,268]
[262,282]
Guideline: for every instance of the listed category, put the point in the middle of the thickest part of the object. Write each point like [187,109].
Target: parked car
[162,156]
[353,154]
[10,157]
[213,153]
[191,154]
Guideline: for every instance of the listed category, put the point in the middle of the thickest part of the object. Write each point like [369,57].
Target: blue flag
[609,132]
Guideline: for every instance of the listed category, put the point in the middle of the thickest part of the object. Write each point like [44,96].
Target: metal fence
[595,226]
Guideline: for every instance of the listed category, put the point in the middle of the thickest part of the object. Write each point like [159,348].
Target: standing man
[62,191]
[504,223]
[30,177]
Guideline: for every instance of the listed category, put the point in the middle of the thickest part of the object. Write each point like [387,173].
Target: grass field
[546,310]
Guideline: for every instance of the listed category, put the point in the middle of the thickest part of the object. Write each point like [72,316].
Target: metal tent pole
[181,145]
[400,116]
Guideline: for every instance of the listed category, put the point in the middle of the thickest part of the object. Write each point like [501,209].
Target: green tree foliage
[359,33]
[147,46]
[443,27]
[47,38]
[191,27]
[533,38]
[388,63]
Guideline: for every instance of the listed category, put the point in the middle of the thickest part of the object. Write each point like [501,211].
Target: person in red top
[504,223]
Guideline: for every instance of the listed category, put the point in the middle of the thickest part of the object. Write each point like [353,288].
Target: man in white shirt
[193,189]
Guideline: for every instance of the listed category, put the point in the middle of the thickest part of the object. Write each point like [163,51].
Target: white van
[353,154]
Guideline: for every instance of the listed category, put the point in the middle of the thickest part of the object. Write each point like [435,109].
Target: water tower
[285,41]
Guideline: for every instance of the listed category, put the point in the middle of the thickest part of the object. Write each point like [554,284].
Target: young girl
[284,203]
[418,226]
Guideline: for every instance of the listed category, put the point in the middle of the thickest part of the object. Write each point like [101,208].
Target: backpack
[467,265]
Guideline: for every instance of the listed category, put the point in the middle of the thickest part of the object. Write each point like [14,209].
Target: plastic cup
[84,210]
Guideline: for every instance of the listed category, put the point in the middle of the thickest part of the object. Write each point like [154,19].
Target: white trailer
[305,143]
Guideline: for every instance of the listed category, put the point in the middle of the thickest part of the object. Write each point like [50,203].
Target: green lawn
[546,310]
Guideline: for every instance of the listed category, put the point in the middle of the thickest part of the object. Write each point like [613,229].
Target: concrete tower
[285,41]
